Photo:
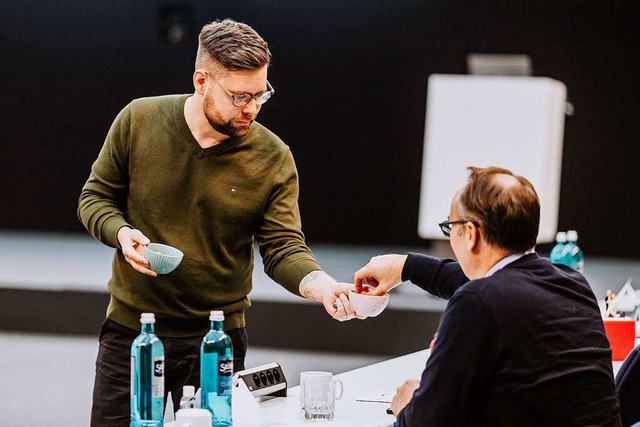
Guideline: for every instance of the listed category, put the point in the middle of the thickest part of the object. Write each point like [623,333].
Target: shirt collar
[507,260]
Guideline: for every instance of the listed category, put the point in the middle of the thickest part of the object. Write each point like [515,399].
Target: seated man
[521,342]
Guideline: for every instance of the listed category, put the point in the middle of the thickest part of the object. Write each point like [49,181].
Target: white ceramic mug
[315,376]
[320,399]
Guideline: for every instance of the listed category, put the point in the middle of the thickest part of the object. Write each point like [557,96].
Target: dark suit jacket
[523,347]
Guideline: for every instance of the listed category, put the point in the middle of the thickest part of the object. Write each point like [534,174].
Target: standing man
[521,342]
[195,171]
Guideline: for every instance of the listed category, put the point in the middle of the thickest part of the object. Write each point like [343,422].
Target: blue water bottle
[216,371]
[558,253]
[147,376]
[576,254]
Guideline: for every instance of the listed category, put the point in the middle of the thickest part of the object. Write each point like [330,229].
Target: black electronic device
[265,380]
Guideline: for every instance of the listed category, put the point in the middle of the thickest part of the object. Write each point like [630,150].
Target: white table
[362,387]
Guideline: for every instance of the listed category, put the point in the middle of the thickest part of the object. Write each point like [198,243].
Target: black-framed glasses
[445,226]
[242,99]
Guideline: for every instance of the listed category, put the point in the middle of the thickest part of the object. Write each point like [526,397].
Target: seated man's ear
[472,236]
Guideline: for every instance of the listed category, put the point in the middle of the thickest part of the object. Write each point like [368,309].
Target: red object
[621,334]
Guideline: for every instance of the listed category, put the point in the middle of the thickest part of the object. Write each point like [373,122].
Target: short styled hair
[232,46]
[509,214]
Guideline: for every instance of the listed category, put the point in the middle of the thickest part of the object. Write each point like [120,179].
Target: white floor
[47,380]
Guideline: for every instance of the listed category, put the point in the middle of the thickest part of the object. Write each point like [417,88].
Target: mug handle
[341,389]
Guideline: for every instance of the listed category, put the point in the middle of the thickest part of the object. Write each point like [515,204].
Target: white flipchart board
[511,122]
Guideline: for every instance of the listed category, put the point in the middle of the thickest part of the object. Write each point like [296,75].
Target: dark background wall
[351,82]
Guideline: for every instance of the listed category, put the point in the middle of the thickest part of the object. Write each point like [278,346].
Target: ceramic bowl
[368,305]
[163,259]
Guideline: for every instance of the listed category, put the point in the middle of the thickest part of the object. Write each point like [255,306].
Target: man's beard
[225,128]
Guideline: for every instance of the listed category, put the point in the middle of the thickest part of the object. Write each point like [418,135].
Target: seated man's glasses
[445,226]
[242,99]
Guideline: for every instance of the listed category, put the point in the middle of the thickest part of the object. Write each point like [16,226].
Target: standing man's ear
[199,81]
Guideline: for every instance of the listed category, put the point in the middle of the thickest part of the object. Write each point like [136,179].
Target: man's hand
[403,395]
[132,243]
[319,286]
[383,273]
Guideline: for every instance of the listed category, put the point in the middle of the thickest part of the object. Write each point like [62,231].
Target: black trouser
[112,389]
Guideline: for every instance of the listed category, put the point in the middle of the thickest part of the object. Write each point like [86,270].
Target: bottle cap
[188,391]
[561,236]
[572,235]
[217,315]
[147,318]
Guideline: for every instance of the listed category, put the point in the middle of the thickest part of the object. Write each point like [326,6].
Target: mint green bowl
[163,259]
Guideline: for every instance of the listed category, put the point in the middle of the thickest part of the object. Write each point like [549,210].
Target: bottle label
[158,377]
[225,373]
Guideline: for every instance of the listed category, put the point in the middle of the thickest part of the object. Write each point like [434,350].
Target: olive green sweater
[152,175]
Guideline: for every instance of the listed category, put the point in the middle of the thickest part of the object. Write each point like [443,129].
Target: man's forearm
[438,276]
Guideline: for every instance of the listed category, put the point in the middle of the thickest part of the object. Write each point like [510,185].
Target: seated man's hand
[403,395]
[383,273]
